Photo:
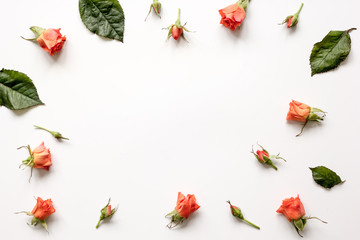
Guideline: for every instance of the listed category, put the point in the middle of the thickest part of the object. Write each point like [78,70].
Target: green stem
[272,165]
[297,13]
[251,224]
[97,226]
[42,128]
[302,129]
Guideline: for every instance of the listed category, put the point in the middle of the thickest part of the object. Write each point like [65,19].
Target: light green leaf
[103,17]
[330,52]
[325,177]
[17,91]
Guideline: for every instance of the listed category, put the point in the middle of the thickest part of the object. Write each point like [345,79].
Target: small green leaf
[17,91]
[325,177]
[103,17]
[330,52]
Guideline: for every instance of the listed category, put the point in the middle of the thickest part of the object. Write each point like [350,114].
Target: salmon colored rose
[185,206]
[298,111]
[293,210]
[176,30]
[264,157]
[50,39]
[303,113]
[40,157]
[42,210]
[233,15]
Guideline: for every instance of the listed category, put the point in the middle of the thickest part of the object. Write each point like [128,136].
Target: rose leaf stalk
[57,135]
[236,212]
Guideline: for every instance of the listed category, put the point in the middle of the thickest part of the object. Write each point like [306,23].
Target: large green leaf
[17,91]
[325,177]
[330,52]
[103,17]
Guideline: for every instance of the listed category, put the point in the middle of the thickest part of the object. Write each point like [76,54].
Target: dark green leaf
[103,17]
[17,91]
[330,52]
[325,177]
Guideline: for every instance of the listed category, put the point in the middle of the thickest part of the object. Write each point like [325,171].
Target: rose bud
[303,113]
[236,212]
[106,212]
[176,30]
[156,5]
[57,135]
[293,210]
[292,20]
[40,157]
[41,211]
[263,157]
[50,39]
[185,206]
[233,15]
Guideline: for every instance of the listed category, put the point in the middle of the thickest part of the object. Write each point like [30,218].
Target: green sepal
[243,4]
[37,31]
[43,223]
[268,161]
[34,221]
[316,114]
[175,219]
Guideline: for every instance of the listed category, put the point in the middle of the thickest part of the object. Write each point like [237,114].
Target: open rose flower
[303,113]
[106,212]
[236,212]
[156,5]
[294,211]
[185,206]
[50,39]
[292,20]
[41,211]
[40,157]
[176,30]
[264,158]
[233,15]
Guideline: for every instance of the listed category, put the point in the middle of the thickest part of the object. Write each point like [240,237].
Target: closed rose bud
[233,15]
[264,157]
[176,32]
[106,212]
[303,113]
[185,206]
[236,212]
[51,40]
[292,20]
[294,211]
[156,5]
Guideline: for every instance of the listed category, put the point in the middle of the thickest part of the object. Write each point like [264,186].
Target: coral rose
[41,157]
[51,40]
[185,206]
[298,111]
[260,155]
[232,16]
[292,208]
[176,32]
[43,209]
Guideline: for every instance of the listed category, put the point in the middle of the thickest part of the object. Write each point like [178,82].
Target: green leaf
[103,17]
[17,91]
[325,177]
[330,52]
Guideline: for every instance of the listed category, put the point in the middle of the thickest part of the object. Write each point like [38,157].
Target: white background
[148,118]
